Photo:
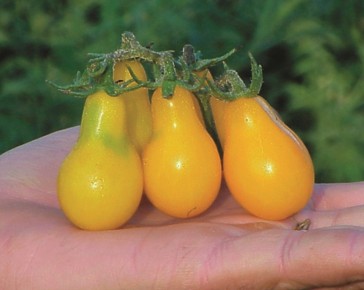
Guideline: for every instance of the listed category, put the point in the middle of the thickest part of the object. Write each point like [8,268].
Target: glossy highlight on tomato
[182,167]
[100,182]
[266,166]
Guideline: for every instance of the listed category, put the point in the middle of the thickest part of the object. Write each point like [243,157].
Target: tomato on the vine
[180,136]
[266,166]
[182,167]
[100,182]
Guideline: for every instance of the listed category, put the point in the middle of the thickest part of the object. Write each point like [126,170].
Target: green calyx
[229,86]
[189,71]
[168,72]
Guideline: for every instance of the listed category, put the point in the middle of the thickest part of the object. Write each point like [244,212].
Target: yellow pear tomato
[100,182]
[266,166]
[182,167]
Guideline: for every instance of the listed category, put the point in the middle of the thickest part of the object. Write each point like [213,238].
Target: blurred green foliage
[312,52]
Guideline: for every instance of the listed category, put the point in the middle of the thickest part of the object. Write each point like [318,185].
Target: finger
[351,217]
[336,196]
[54,146]
[30,171]
[277,259]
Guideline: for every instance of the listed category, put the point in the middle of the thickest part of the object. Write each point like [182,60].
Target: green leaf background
[312,53]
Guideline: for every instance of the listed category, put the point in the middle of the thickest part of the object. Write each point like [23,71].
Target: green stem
[257,78]
[204,101]
[131,48]
[190,59]
[169,75]
[230,86]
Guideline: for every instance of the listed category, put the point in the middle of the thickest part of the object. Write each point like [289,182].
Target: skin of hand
[225,248]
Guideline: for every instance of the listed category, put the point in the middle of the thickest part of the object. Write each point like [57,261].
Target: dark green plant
[311,52]
[329,95]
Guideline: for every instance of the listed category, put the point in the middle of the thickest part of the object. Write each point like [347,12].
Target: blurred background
[312,53]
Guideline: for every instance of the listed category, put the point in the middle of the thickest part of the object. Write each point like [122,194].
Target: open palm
[225,248]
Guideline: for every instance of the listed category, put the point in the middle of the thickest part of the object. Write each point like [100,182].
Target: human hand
[225,248]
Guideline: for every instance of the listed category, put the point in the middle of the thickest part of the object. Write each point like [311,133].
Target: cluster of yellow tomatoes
[134,142]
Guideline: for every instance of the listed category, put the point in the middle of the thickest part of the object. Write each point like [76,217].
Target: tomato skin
[266,166]
[182,167]
[95,190]
[137,104]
